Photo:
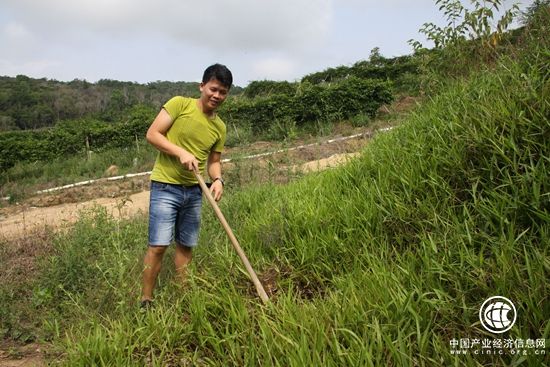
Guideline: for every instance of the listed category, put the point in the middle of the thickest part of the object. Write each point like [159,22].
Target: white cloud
[16,32]
[17,41]
[36,68]
[226,25]
[274,68]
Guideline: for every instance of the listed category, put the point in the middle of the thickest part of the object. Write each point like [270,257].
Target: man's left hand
[216,189]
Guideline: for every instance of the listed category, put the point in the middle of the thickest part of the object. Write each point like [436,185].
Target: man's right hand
[188,160]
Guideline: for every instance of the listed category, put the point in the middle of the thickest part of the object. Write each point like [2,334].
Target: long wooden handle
[240,252]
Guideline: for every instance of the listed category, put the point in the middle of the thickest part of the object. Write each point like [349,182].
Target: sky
[145,41]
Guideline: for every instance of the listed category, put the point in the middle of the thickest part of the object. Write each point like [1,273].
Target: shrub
[263,88]
[310,103]
[72,137]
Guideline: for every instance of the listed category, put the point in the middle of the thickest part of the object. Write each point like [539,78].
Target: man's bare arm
[156,135]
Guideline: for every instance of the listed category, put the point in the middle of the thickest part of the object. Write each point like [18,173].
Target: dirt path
[59,216]
[29,218]
[30,355]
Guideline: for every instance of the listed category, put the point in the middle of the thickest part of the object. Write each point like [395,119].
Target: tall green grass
[380,262]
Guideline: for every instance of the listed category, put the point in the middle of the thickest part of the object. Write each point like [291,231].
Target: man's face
[213,93]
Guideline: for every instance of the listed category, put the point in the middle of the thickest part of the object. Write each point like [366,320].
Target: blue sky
[145,41]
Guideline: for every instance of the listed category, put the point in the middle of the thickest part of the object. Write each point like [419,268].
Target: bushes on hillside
[72,137]
[269,87]
[302,104]
[474,38]
[402,71]
[310,103]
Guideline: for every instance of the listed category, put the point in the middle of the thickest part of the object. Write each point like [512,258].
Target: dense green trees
[27,103]
[307,104]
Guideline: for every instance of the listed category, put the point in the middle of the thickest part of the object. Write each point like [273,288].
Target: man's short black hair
[220,73]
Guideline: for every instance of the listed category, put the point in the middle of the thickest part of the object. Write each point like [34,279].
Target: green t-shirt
[193,131]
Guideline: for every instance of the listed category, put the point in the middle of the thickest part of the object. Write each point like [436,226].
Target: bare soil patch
[30,355]
[20,266]
[60,216]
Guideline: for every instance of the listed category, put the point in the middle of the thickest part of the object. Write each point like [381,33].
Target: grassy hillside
[384,261]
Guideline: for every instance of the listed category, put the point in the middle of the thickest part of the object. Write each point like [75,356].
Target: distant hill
[27,103]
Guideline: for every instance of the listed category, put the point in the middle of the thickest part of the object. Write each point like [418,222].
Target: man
[188,134]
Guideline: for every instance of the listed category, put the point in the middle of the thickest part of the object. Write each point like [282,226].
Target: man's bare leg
[151,268]
[182,259]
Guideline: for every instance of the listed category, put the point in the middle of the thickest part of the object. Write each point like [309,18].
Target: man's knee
[184,248]
[157,251]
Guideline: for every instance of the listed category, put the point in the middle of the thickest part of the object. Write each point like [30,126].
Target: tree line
[27,103]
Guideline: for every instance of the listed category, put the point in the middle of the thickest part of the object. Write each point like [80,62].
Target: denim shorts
[174,213]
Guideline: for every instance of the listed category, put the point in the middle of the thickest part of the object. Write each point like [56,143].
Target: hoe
[240,252]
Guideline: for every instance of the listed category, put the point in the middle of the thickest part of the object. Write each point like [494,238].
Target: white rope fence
[130,175]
